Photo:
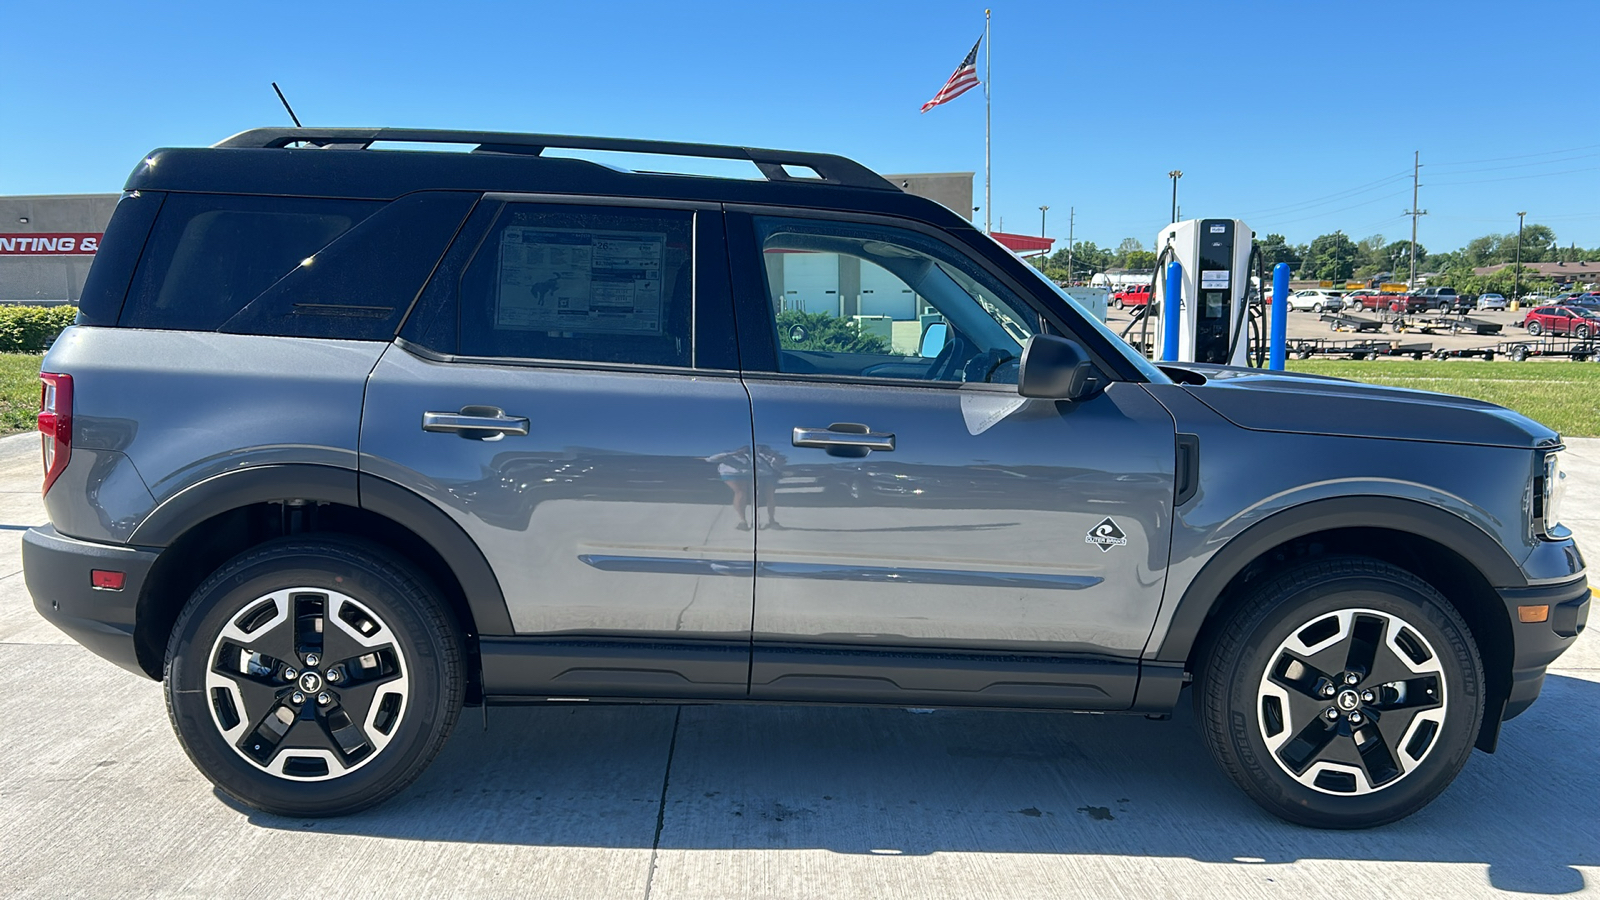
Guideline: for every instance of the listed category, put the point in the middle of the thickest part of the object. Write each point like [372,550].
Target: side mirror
[933,339]
[1055,368]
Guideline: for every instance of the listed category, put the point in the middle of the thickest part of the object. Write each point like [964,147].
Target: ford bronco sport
[346,439]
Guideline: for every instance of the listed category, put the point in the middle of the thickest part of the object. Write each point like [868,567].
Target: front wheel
[1534,328]
[1342,694]
[314,677]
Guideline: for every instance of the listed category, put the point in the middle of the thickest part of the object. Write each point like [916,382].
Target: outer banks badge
[1106,535]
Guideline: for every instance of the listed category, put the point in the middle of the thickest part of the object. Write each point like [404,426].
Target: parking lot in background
[97,799]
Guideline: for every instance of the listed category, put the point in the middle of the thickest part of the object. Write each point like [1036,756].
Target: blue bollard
[1278,343]
[1171,306]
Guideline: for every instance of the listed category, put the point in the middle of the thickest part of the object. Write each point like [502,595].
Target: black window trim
[504,199]
[1026,294]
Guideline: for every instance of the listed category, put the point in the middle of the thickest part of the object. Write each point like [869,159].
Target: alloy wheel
[1352,702]
[307,684]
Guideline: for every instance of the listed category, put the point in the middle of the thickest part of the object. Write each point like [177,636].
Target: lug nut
[1355,718]
[1327,690]
[291,673]
[1351,678]
[311,659]
[297,697]
[324,698]
[333,675]
[1332,713]
[1367,696]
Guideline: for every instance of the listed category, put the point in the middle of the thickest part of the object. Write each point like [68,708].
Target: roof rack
[832,170]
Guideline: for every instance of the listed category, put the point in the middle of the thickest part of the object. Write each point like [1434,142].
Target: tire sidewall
[1453,744]
[291,564]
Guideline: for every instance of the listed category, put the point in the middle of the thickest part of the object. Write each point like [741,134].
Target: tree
[1274,250]
[1125,249]
[1332,257]
[1370,256]
[1141,259]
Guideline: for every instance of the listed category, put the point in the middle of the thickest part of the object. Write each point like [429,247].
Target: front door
[926,534]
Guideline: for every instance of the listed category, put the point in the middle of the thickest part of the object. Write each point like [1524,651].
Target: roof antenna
[286,106]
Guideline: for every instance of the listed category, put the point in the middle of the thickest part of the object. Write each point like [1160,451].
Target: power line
[1469,162]
[1280,222]
[1518,177]
[1330,198]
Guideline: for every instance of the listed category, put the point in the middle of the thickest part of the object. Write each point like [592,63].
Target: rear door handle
[477,422]
[844,438]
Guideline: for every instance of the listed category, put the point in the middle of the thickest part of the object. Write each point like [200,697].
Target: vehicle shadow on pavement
[895,782]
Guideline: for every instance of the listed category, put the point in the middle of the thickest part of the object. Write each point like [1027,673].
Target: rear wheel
[314,677]
[1581,332]
[1342,694]
[1534,327]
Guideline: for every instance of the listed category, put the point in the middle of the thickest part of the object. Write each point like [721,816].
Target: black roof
[336,162]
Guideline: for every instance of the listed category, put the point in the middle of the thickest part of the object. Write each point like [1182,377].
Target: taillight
[55,424]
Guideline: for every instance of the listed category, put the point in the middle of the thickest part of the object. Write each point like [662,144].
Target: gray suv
[348,439]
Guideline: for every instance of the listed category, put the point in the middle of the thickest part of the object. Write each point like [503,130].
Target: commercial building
[47,243]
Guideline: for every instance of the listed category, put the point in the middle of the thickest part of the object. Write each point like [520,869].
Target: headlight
[1553,486]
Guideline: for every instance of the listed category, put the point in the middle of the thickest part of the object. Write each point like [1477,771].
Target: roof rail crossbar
[830,169]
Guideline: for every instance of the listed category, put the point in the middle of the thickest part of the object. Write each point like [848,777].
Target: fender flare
[1395,514]
[331,484]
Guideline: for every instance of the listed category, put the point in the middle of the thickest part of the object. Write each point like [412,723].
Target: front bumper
[1537,644]
[57,567]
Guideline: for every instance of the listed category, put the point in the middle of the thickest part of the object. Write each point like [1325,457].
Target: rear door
[566,390]
[927,535]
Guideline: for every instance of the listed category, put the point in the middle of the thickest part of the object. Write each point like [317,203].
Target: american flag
[964,79]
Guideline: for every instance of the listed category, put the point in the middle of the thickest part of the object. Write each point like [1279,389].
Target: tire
[1534,328]
[1519,353]
[1284,658]
[1119,304]
[372,714]
[1581,332]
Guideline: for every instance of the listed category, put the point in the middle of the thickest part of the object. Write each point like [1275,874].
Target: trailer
[1343,322]
[1445,323]
[1486,353]
[1305,348]
[1575,349]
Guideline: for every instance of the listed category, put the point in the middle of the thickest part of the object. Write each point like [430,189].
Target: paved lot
[96,798]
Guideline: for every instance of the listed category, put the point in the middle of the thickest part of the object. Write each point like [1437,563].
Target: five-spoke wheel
[314,677]
[1340,693]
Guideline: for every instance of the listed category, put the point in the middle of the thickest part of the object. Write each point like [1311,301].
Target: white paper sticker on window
[1214,279]
[555,279]
[1219,229]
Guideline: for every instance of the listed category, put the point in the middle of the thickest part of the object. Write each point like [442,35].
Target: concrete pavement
[97,799]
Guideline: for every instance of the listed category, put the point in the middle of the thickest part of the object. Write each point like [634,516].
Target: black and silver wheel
[1534,328]
[1519,353]
[313,677]
[1581,332]
[1343,694]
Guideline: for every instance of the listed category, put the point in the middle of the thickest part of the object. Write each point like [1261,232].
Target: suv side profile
[346,440]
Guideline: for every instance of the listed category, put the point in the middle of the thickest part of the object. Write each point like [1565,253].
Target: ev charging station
[1207,275]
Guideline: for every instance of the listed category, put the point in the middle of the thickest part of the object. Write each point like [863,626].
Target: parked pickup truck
[1138,295]
[1443,299]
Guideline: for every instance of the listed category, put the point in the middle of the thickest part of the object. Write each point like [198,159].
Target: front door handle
[844,439]
[484,423]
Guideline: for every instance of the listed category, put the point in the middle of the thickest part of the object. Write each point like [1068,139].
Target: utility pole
[1072,216]
[1175,174]
[1516,271]
[1413,212]
[1042,211]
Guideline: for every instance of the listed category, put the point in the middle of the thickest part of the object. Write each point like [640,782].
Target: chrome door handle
[844,436]
[483,422]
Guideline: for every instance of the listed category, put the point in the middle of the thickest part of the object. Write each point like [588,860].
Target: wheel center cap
[1348,700]
[311,682]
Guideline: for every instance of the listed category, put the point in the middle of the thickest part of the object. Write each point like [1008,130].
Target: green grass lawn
[19,392]
[1563,395]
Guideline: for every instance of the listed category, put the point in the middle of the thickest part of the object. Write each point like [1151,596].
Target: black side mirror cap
[1055,368]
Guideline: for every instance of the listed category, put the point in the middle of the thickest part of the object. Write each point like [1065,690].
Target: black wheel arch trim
[1395,514]
[332,484]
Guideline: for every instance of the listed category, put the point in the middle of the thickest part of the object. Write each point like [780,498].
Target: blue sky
[1299,118]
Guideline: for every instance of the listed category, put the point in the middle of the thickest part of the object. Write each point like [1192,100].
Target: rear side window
[209,255]
[586,284]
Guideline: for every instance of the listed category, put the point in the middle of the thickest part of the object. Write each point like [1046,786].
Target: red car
[1357,300]
[1133,296]
[1407,303]
[1573,320]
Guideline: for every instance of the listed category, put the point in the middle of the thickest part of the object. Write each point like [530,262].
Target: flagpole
[988,70]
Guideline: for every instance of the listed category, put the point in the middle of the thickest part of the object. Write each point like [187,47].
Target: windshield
[1145,367]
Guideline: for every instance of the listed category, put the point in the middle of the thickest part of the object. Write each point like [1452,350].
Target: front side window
[857,300]
[589,284]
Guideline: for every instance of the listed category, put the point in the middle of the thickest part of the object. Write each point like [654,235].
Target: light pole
[1175,174]
[1516,269]
[1042,211]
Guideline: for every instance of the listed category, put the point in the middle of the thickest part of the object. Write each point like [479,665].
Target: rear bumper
[1539,643]
[57,569]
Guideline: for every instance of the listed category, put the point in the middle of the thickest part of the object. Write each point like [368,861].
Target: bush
[30,329]
[820,331]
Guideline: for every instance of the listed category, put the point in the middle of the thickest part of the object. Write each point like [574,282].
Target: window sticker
[566,280]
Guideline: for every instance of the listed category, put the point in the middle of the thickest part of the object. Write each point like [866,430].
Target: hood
[1312,404]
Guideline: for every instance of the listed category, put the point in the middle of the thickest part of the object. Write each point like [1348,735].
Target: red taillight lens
[107,579]
[55,424]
